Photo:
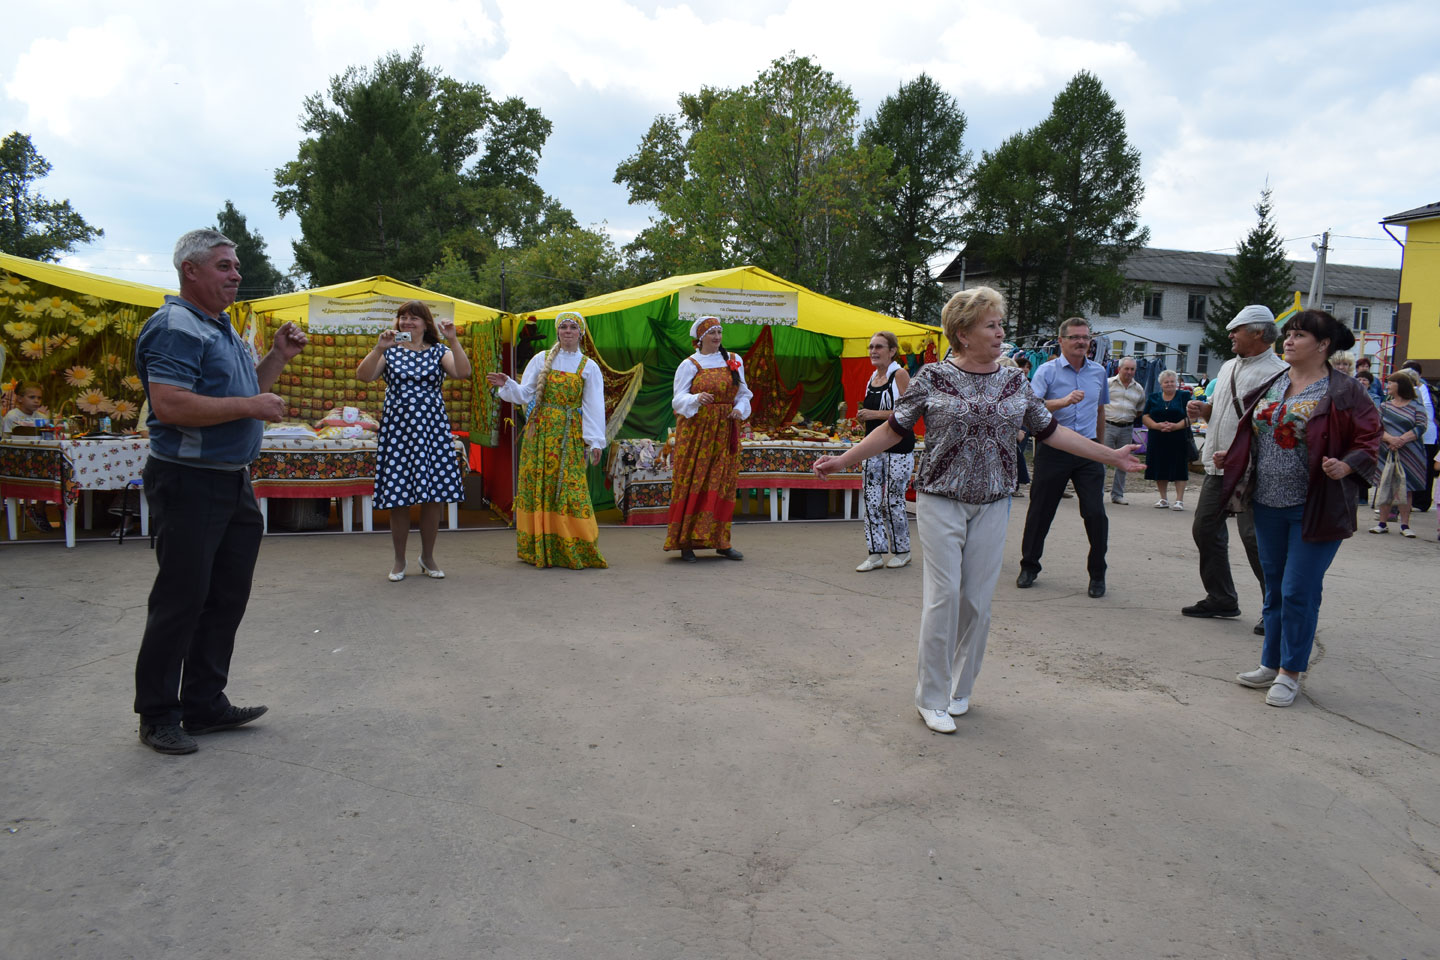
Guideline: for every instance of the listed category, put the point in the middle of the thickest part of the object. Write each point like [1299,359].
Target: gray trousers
[1117,436]
[964,544]
[1212,538]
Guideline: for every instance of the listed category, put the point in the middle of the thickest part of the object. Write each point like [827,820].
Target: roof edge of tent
[355,288]
[656,289]
[81,281]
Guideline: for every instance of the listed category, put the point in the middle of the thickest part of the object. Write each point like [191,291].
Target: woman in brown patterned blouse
[972,408]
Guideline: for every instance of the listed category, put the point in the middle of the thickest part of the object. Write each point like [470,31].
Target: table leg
[784,504]
[774,504]
[347,514]
[12,517]
[849,504]
[89,499]
[452,514]
[263,503]
[69,513]
[744,501]
[367,512]
[144,514]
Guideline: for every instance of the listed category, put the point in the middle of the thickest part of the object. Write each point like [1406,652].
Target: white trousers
[964,544]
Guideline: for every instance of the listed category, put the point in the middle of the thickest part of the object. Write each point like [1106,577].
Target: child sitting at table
[29,398]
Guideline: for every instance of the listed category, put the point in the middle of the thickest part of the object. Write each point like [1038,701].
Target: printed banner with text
[364,315]
[770,307]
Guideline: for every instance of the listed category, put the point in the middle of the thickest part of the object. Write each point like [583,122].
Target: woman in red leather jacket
[1307,437]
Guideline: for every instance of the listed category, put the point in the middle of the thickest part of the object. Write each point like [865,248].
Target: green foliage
[380,183]
[30,225]
[567,265]
[259,278]
[1054,210]
[1258,273]
[769,174]
[924,129]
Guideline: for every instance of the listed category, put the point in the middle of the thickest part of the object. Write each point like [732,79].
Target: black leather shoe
[232,717]
[1026,578]
[167,738]
[1259,630]
[1097,589]
[688,556]
[1205,609]
[730,553]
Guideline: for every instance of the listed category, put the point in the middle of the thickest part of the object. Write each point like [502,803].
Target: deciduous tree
[30,225]
[259,278]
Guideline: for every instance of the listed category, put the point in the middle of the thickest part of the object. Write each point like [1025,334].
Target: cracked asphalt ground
[721,760]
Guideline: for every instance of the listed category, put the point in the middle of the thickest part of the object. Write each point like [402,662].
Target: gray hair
[1168,373]
[1122,362]
[194,244]
[1267,332]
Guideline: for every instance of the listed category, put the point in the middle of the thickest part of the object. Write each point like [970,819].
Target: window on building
[1394,318]
[1328,308]
[1202,360]
[1195,310]
[1161,353]
[1153,302]
[1139,349]
[1117,347]
[1362,319]
[1182,358]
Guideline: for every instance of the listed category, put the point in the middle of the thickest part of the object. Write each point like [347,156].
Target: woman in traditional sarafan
[710,399]
[563,392]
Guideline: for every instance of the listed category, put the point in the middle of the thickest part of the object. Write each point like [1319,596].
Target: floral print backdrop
[78,347]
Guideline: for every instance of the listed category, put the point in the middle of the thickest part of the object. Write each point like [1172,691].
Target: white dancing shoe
[897,561]
[873,562]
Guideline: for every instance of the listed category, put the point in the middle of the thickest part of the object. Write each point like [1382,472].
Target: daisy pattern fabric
[415,462]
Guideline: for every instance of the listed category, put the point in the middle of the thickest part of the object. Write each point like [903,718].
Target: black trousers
[1053,470]
[1422,499]
[1212,539]
[208,530]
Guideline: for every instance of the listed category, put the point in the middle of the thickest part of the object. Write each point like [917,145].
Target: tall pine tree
[1258,273]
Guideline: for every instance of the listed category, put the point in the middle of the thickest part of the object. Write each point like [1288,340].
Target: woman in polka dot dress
[416,459]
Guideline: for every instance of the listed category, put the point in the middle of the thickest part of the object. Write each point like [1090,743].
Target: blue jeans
[1294,577]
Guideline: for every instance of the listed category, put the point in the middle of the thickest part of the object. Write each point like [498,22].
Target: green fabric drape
[650,333]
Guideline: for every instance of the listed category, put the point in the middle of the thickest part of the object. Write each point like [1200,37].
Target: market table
[66,471]
[60,471]
[642,484]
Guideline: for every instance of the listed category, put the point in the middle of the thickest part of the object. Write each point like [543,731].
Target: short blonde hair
[1343,357]
[967,308]
[1007,362]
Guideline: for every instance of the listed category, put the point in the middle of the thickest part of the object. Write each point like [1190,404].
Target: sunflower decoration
[94,401]
[35,349]
[123,410]
[29,310]
[20,329]
[78,376]
[132,383]
[13,286]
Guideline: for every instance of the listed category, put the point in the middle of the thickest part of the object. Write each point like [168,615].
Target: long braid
[734,374]
[544,376]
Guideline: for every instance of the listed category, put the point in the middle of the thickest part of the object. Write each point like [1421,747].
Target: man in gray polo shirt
[207,400]
[1075,391]
[1253,335]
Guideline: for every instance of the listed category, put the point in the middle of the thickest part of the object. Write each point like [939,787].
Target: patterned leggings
[883,490]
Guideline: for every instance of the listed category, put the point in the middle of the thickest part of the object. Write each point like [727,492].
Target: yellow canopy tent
[74,333]
[324,375]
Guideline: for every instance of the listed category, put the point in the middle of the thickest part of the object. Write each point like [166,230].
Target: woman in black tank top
[887,529]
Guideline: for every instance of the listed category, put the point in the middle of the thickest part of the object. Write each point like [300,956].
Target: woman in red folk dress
[711,398]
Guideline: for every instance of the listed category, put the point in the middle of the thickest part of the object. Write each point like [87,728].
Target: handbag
[1390,487]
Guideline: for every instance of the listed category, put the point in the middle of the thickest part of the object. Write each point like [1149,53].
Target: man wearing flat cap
[1252,334]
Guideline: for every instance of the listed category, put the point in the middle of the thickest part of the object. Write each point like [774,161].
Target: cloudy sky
[153,114]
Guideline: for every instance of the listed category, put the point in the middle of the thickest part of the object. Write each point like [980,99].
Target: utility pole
[1317,279]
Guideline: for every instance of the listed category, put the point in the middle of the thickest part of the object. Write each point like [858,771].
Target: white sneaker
[937,720]
[900,559]
[958,708]
[1407,532]
[1120,500]
[1162,504]
[1178,505]
[1259,678]
[873,562]
[1379,528]
[1282,691]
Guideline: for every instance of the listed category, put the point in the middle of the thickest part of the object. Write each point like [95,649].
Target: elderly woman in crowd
[1402,424]
[563,392]
[886,475]
[710,399]
[1167,449]
[972,407]
[1304,437]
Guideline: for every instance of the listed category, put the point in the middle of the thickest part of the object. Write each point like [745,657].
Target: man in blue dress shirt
[1075,390]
